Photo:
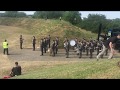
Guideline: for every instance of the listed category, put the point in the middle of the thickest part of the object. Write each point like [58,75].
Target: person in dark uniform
[76,42]
[53,48]
[109,44]
[45,45]
[84,43]
[41,46]
[79,46]
[91,49]
[34,42]
[15,70]
[57,43]
[21,41]
[49,38]
[87,48]
[67,45]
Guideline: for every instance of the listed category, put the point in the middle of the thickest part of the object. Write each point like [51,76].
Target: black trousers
[80,53]
[41,50]
[49,44]
[33,47]
[56,50]
[20,45]
[53,51]
[45,49]
[5,50]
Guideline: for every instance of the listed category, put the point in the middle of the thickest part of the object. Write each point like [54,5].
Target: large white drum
[72,43]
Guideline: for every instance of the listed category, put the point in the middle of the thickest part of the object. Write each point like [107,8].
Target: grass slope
[42,28]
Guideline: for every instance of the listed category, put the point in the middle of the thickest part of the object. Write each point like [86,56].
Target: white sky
[108,14]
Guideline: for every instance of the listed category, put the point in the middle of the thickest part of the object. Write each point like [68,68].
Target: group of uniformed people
[46,45]
[88,46]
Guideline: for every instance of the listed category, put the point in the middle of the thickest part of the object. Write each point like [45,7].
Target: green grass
[85,69]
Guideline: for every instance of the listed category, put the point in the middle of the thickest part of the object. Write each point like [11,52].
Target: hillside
[42,28]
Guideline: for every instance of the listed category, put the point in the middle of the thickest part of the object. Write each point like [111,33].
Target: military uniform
[53,48]
[49,41]
[41,46]
[57,43]
[66,45]
[45,45]
[79,46]
[34,42]
[21,42]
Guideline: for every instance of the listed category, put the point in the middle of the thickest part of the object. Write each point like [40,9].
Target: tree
[14,14]
[93,21]
[73,17]
[48,14]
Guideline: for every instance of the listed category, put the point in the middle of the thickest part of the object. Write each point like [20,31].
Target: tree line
[91,23]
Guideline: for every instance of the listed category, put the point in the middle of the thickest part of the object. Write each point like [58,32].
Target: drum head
[72,42]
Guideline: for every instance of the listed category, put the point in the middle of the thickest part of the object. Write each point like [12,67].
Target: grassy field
[83,69]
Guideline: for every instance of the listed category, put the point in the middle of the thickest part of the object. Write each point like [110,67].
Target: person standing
[57,43]
[41,46]
[49,40]
[21,41]
[53,48]
[79,46]
[109,44]
[66,45]
[5,47]
[34,42]
[45,45]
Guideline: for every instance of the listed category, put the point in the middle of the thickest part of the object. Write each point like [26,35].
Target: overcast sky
[108,14]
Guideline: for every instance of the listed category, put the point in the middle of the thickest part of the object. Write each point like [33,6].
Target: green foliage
[72,33]
[73,17]
[48,14]
[93,21]
[13,14]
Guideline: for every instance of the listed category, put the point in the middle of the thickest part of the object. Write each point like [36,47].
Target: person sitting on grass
[16,70]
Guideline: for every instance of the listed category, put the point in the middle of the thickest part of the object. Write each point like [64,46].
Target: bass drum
[72,43]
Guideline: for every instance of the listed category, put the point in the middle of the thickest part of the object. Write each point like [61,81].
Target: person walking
[109,44]
[34,42]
